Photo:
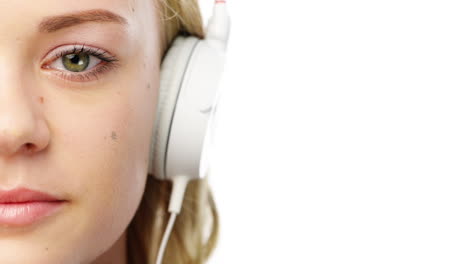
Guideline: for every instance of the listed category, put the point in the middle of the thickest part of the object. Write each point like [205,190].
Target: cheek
[102,152]
[109,152]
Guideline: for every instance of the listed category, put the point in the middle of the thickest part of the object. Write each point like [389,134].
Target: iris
[76,62]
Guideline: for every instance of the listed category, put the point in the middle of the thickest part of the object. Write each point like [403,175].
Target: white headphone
[190,73]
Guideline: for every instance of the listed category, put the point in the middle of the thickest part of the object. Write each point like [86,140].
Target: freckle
[114,136]
[41,99]
[148,86]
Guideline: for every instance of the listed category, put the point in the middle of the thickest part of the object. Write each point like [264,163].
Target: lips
[22,206]
[21,195]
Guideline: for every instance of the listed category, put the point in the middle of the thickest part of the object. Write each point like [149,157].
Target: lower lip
[19,214]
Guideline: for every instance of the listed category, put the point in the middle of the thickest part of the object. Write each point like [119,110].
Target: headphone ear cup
[172,76]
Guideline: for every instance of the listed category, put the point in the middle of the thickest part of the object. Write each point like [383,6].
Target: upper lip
[22,194]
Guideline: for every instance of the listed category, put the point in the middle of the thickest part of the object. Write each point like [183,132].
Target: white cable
[167,233]
[179,184]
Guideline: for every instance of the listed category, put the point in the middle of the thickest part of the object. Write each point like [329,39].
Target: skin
[86,142]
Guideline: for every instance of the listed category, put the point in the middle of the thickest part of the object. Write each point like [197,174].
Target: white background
[342,133]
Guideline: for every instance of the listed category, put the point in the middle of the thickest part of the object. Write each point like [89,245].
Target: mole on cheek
[41,99]
[114,136]
[148,86]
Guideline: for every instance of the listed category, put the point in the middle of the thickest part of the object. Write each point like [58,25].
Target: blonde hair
[195,231]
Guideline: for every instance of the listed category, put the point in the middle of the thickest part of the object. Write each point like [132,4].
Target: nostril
[29,147]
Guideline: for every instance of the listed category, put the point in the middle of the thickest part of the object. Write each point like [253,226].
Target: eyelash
[110,62]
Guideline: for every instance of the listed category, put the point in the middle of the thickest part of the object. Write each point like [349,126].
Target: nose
[23,129]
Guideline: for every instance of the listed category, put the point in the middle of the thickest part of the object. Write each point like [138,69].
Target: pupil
[75,59]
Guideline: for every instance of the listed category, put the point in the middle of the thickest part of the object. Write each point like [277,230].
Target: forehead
[33,12]
[44,7]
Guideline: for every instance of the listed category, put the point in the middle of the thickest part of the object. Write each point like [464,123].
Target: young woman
[78,86]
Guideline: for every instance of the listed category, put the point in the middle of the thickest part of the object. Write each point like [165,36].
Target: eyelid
[68,49]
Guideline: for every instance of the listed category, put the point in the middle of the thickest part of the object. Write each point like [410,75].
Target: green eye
[76,62]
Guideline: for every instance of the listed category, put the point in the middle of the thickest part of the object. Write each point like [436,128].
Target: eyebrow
[55,23]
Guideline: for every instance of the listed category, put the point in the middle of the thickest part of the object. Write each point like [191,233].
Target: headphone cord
[167,233]
[179,184]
